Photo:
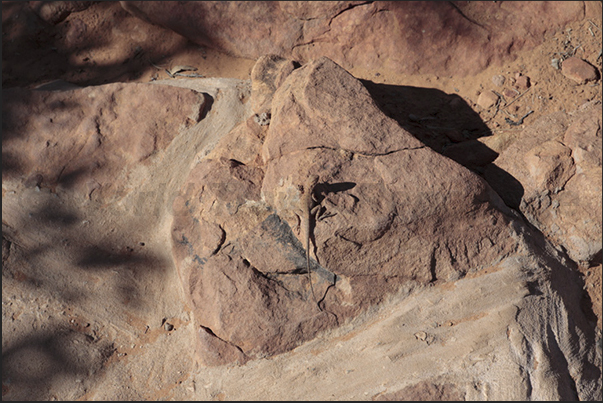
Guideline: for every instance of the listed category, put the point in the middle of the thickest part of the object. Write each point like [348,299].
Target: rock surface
[487,99]
[379,238]
[159,284]
[457,38]
[381,234]
[83,139]
[578,70]
[89,287]
[553,175]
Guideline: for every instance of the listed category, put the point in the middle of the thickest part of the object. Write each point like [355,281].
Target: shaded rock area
[458,38]
[154,235]
[104,131]
[105,290]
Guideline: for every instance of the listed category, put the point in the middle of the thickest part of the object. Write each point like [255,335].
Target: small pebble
[578,70]
[523,82]
[498,80]
[487,99]
[508,93]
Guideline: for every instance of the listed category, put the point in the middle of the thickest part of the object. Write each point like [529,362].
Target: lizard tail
[310,273]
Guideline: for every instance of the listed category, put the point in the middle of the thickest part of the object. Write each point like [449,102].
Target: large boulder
[392,212]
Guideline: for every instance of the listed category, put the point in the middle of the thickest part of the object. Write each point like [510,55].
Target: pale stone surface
[487,99]
[498,80]
[83,139]
[483,334]
[93,285]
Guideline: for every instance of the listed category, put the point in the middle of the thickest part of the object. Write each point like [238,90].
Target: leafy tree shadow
[36,51]
[32,366]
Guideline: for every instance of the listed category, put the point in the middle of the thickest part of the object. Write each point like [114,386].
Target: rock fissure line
[318,40]
[351,6]
[367,154]
[211,332]
[465,17]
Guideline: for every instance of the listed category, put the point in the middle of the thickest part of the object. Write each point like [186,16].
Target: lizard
[308,209]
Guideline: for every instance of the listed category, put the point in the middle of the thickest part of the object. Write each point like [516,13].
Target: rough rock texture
[578,70]
[54,12]
[267,75]
[393,211]
[456,37]
[91,298]
[487,99]
[506,333]
[553,175]
[215,208]
[111,297]
[234,218]
[84,139]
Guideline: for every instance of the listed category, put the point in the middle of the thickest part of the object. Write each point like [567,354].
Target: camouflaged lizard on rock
[308,209]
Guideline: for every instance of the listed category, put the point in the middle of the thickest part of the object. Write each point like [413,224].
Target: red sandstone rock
[523,83]
[487,99]
[393,211]
[578,70]
[457,38]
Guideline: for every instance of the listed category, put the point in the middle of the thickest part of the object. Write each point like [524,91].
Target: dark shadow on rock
[436,118]
[209,102]
[321,189]
[30,366]
[64,54]
[597,259]
[10,164]
[15,103]
[448,125]
[56,230]
[55,214]
[505,184]
[102,258]
[70,178]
